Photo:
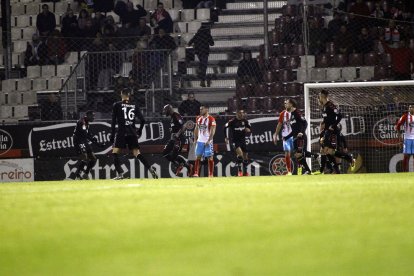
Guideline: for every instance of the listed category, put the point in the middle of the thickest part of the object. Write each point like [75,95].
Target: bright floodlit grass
[306,225]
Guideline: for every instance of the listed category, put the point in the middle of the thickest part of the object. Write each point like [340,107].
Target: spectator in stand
[360,8]
[402,59]
[70,29]
[291,30]
[132,16]
[83,18]
[190,107]
[162,41]
[36,52]
[202,41]
[140,58]
[162,19]
[104,6]
[248,70]
[98,21]
[392,32]
[378,11]
[344,42]
[121,7]
[335,25]
[45,22]
[87,5]
[317,37]
[56,48]
[88,34]
[109,25]
[51,109]
[144,31]
[364,43]
[127,36]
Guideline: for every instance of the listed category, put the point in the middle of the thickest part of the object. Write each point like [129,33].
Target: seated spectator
[144,31]
[317,37]
[248,70]
[51,110]
[132,16]
[84,16]
[36,52]
[98,21]
[190,107]
[56,48]
[109,26]
[360,8]
[364,43]
[162,41]
[392,32]
[344,41]
[402,59]
[45,22]
[70,29]
[334,25]
[88,34]
[161,19]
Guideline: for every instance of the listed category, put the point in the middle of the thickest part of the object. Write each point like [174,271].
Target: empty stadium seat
[349,73]
[175,15]
[17,9]
[252,105]
[323,60]
[61,7]
[187,15]
[292,62]
[54,84]
[277,62]
[9,85]
[182,27]
[24,84]
[28,33]
[6,112]
[269,76]
[9,98]
[33,71]
[286,49]
[16,34]
[260,90]
[285,75]
[19,46]
[233,104]
[39,84]
[17,59]
[303,74]
[243,90]
[22,21]
[340,60]
[193,26]
[72,58]
[267,104]
[276,89]
[355,59]
[290,10]
[307,61]
[381,72]
[279,103]
[330,48]
[63,70]
[203,14]
[366,73]
[385,59]
[29,97]
[318,74]
[298,49]
[21,111]
[48,71]
[33,8]
[333,74]
[371,59]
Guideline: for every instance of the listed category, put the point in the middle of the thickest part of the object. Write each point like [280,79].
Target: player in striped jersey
[203,135]
[407,121]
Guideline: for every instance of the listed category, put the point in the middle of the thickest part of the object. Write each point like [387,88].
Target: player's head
[190,96]
[323,96]
[90,115]
[203,110]
[290,104]
[240,114]
[411,109]
[167,110]
[125,93]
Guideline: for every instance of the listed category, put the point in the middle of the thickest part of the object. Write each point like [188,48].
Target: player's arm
[212,132]
[196,133]
[141,119]
[113,123]
[278,128]
[248,128]
[226,130]
[400,122]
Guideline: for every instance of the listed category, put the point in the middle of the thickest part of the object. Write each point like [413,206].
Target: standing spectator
[51,109]
[98,21]
[162,19]
[163,41]
[36,52]
[132,16]
[402,60]
[127,36]
[88,34]
[144,31]
[248,70]
[45,22]
[56,48]
[334,25]
[190,107]
[70,29]
[202,41]
[317,37]
[83,18]
[104,6]
[364,43]
[344,41]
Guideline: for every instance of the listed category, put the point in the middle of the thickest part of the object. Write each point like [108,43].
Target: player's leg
[408,150]
[208,153]
[239,156]
[300,157]
[199,151]
[117,163]
[135,151]
[288,147]
[330,155]
[80,166]
[91,163]
[245,163]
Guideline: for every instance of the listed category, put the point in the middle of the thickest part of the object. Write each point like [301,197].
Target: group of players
[125,135]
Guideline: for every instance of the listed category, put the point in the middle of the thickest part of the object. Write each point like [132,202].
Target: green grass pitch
[292,225]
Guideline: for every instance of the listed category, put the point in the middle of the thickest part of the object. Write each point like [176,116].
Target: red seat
[298,49]
[277,49]
[286,49]
[267,104]
[371,59]
[285,75]
[330,48]
[276,89]
[279,103]
[252,105]
[276,36]
[340,60]
[260,90]
[381,72]
[411,44]
[323,60]
[277,62]
[355,59]
[233,104]
[294,89]
[243,90]
[269,76]
[385,59]
[292,62]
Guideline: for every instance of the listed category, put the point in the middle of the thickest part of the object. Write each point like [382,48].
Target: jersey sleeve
[401,121]
[227,126]
[281,115]
[138,114]
[114,117]
[212,121]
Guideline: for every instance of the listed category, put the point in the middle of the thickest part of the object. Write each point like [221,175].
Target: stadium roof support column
[6,36]
[306,38]
[266,30]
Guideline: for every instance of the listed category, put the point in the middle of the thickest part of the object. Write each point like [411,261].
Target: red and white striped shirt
[204,125]
[284,119]
[406,120]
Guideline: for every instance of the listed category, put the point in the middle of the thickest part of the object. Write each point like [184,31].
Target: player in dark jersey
[173,148]
[331,118]
[238,128]
[298,127]
[124,114]
[81,140]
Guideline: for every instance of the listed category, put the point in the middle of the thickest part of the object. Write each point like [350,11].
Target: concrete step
[216,32]
[237,43]
[247,18]
[214,84]
[254,5]
[214,70]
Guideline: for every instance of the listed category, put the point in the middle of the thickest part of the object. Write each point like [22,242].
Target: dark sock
[332,160]
[245,163]
[91,164]
[117,163]
[143,161]
[343,155]
[323,163]
[302,161]
[181,160]
[79,168]
[239,163]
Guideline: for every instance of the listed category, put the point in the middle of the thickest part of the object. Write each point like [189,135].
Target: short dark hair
[160,3]
[292,102]
[126,91]
[45,6]
[205,106]
[324,92]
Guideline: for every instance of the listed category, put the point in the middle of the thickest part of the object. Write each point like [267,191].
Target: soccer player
[125,113]
[284,125]
[331,118]
[203,135]
[407,120]
[173,148]
[239,127]
[81,139]
[298,127]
